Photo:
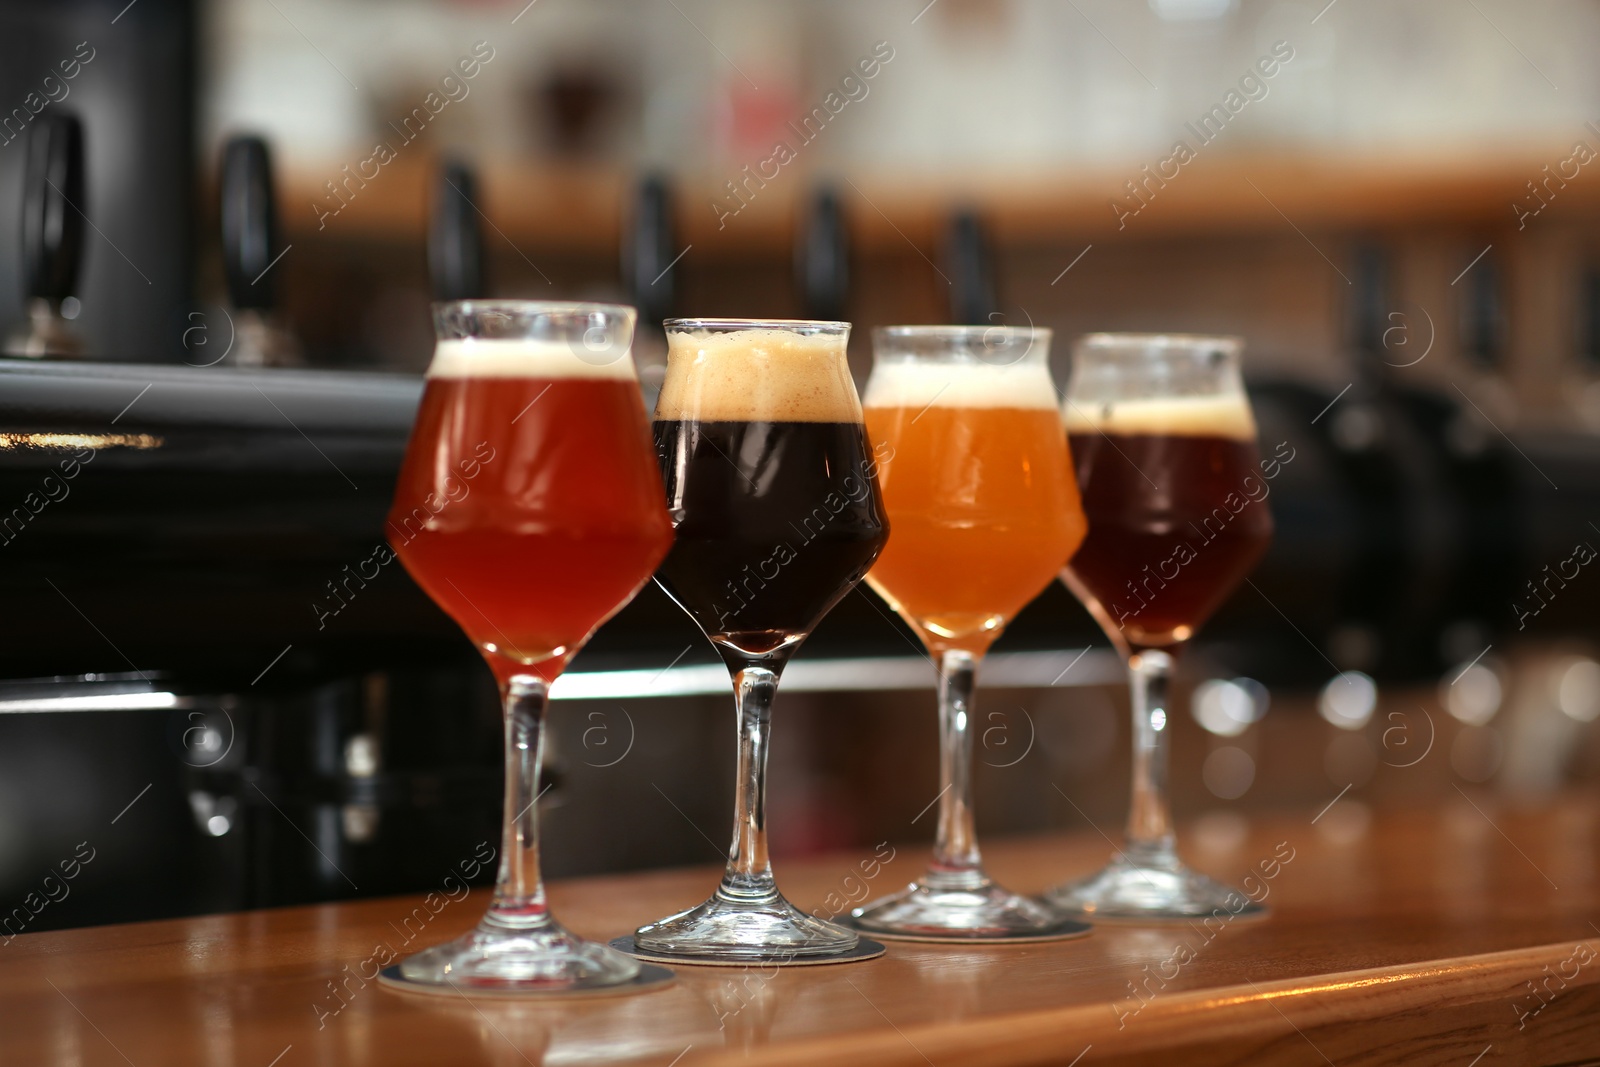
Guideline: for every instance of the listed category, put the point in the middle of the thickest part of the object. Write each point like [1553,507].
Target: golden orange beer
[983,511]
[977,479]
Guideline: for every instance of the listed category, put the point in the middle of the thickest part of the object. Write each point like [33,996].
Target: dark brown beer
[775,523]
[1176,521]
[772,489]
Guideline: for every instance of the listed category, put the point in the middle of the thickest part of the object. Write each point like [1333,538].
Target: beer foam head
[475,357]
[1216,415]
[760,374]
[920,383]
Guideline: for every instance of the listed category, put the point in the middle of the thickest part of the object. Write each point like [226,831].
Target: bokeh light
[1348,700]
[1228,708]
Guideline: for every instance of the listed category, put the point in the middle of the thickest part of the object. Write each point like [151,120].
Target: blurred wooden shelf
[1424,938]
[578,209]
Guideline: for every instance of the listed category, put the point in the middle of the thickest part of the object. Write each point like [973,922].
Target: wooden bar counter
[1464,936]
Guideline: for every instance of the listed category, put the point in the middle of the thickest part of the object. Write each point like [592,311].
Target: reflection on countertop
[1421,928]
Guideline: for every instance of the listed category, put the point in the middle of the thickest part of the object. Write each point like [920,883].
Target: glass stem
[519,899]
[748,878]
[1150,839]
[956,863]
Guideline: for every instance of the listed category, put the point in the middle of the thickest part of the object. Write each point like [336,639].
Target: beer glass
[1165,447]
[529,508]
[978,485]
[774,501]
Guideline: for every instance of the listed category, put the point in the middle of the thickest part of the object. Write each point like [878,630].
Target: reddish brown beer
[534,511]
[1175,523]
[1165,447]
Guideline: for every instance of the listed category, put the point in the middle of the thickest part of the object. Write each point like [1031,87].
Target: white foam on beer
[757,375]
[907,383]
[1225,415]
[474,357]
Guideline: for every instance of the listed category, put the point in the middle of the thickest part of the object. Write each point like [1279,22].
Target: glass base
[1159,888]
[506,959]
[976,910]
[759,929]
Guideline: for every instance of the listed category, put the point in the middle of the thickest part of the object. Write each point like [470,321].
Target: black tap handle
[52,206]
[1369,299]
[1483,317]
[822,257]
[1589,317]
[649,252]
[455,235]
[971,263]
[249,223]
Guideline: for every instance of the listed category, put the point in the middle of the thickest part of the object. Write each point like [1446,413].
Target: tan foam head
[757,375]
[1220,415]
[910,383]
[504,358]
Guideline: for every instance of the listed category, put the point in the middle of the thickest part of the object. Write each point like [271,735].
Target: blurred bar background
[210,680]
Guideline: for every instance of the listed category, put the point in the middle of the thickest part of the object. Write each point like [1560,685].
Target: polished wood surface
[1415,937]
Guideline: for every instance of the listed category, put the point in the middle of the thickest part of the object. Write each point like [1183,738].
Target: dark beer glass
[773,495]
[1165,447]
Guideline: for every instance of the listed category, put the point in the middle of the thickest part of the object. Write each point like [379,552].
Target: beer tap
[971,261]
[455,235]
[1411,515]
[250,255]
[52,237]
[650,252]
[822,257]
[1483,321]
[1589,318]
[650,258]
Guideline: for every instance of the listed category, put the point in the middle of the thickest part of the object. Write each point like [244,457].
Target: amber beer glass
[529,507]
[978,484]
[1165,446]
[774,500]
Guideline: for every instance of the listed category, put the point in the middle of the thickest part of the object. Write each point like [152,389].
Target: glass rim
[534,307]
[961,333]
[1232,342]
[822,327]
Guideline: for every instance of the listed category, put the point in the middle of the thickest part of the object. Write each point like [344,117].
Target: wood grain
[1409,940]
